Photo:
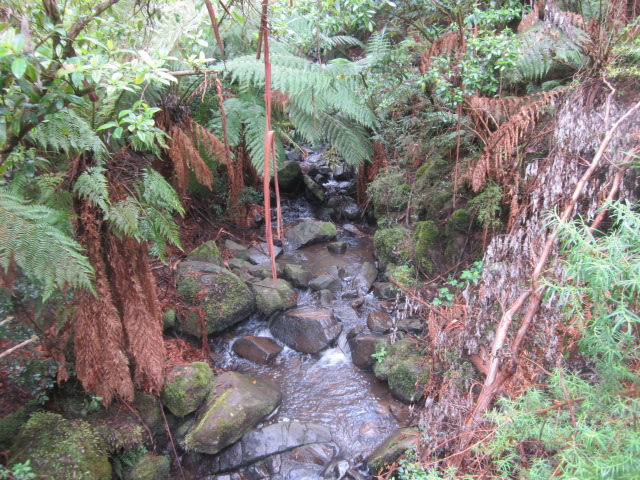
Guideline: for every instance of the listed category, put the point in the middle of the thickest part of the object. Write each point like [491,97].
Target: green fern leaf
[94,186]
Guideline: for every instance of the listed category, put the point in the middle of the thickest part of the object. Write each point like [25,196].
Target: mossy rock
[390,450]
[207,252]
[274,296]
[187,387]
[10,425]
[310,232]
[429,243]
[169,319]
[224,298]
[61,449]
[120,430]
[393,245]
[150,411]
[289,176]
[458,221]
[403,368]
[240,402]
[149,467]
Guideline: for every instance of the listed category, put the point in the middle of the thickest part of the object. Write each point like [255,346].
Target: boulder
[239,264]
[10,425]
[306,329]
[345,314]
[150,411]
[149,467]
[273,296]
[410,325]
[393,245]
[379,322]
[297,275]
[362,347]
[384,290]
[238,404]
[390,450]
[327,298]
[207,252]
[404,369]
[223,297]
[365,278]
[257,349]
[120,430]
[271,440]
[263,270]
[337,247]
[326,282]
[289,176]
[238,251]
[186,387]
[309,232]
[261,255]
[313,190]
[350,209]
[61,449]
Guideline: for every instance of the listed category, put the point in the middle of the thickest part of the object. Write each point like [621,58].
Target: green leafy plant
[18,471]
[380,354]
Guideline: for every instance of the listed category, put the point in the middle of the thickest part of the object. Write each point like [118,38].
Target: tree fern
[157,193]
[94,186]
[37,239]
[124,218]
[378,49]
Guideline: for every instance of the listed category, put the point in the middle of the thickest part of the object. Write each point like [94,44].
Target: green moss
[169,319]
[10,425]
[207,252]
[403,368]
[61,449]
[187,386]
[150,411]
[429,241]
[188,287]
[149,467]
[459,221]
[119,430]
[220,403]
[393,245]
[329,229]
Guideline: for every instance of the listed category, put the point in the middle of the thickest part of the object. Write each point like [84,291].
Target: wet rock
[150,411]
[261,255]
[345,314]
[313,191]
[239,264]
[390,450]
[297,275]
[60,448]
[120,430]
[306,462]
[350,209]
[355,331]
[326,282]
[362,347]
[393,245]
[186,387]
[224,298]
[289,176]
[263,270]
[336,469]
[337,247]
[238,404]
[257,349]
[410,325]
[149,467]
[238,251]
[379,322]
[384,290]
[404,369]
[358,302]
[326,298]
[342,172]
[365,278]
[309,232]
[306,329]
[207,252]
[271,440]
[273,296]
[347,227]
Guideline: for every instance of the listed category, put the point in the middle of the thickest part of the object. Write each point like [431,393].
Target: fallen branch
[19,346]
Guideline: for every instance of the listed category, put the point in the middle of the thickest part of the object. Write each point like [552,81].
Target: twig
[566,394]
[173,445]
[6,320]
[20,345]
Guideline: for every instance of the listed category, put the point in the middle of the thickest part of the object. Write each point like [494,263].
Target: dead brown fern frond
[448,43]
[530,19]
[504,141]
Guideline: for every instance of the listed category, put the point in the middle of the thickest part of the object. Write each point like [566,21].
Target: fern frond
[94,186]
[349,138]
[378,48]
[447,44]
[124,218]
[340,41]
[37,238]
[159,194]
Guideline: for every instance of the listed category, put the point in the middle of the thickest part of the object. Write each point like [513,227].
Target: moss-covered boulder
[10,425]
[207,252]
[120,430]
[150,411]
[274,296]
[403,368]
[238,251]
[61,449]
[223,297]
[297,275]
[313,190]
[289,176]
[309,232]
[169,319]
[390,450]
[430,243]
[393,245]
[187,387]
[239,403]
[149,467]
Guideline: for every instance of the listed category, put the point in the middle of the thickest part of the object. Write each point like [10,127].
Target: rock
[297,275]
[326,298]
[273,296]
[10,425]
[186,387]
[61,449]
[393,245]
[362,347]
[239,403]
[365,278]
[350,209]
[169,319]
[379,322]
[403,368]
[309,232]
[263,270]
[342,172]
[271,440]
[326,282]
[261,254]
[348,227]
[150,411]
[358,302]
[384,290]
[207,252]
[337,247]
[239,264]
[289,176]
[410,325]
[257,349]
[336,469]
[149,467]
[120,430]
[294,155]
[390,450]
[313,191]
[238,251]
[306,329]
[224,298]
